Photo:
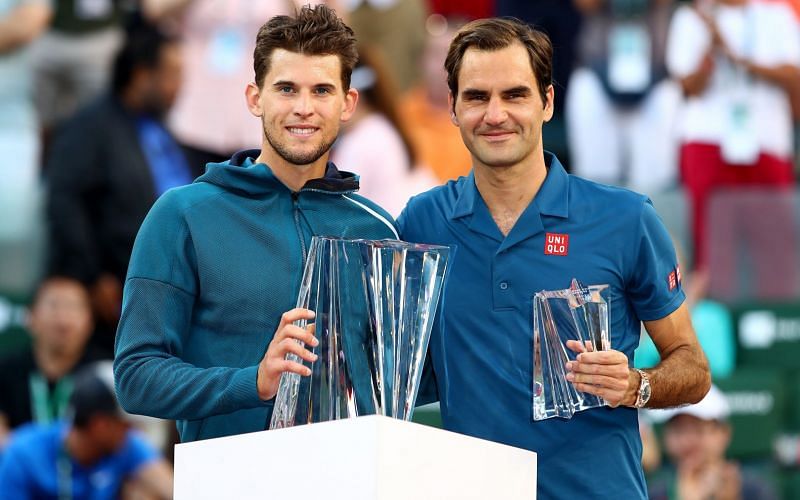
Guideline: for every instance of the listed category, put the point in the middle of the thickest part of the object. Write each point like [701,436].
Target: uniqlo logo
[556,244]
[672,279]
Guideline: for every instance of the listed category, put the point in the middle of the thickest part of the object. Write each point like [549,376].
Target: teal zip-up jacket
[214,266]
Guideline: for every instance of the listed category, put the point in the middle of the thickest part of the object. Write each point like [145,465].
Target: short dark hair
[313,31]
[142,49]
[495,34]
[93,394]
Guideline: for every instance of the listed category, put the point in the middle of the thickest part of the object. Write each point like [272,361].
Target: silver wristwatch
[644,392]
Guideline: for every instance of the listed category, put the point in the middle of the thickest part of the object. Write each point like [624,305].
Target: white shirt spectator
[766,34]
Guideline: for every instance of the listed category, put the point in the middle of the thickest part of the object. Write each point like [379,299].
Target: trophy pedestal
[370,458]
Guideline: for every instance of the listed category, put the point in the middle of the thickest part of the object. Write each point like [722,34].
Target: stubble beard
[296,158]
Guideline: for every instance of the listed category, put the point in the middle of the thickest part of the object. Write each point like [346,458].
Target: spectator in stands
[695,439]
[620,107]
[93,454]
[375,144]
[35,384]
[106,168]
[73,59]
[738,62]
[426,112]
[21,22]
[208,118]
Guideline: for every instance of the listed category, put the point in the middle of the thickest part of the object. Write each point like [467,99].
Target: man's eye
[323,90]
[285,89]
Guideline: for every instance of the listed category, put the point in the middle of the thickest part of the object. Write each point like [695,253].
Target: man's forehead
[507,67]
[288,66]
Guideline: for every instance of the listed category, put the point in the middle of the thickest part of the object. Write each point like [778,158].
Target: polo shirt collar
[552,198]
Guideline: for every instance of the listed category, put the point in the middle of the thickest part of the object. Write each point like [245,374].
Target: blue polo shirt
[481,349]
[29,467]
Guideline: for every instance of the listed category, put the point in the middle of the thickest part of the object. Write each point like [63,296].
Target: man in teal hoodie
[207,316]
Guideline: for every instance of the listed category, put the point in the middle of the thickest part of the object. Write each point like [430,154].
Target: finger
[311,328]
[612,397]
[290,346]
[296,333]
[295,314]
[575,346]
[285,366]
[620,371]
[598,381]
[610,357]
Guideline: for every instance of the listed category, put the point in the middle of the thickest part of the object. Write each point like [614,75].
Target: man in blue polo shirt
[504,219]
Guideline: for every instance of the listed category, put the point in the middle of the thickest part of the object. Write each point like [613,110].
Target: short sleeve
[688,41]
[653,280]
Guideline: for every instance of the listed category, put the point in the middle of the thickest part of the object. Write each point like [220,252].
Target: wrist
[261,383]
[634,380]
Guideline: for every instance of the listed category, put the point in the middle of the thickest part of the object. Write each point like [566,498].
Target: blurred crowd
[106,104]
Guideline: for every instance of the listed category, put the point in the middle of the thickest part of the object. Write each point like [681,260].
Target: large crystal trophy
[578,313]
[375,302]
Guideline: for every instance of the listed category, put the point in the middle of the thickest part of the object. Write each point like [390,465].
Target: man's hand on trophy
[288,339]
[602,373]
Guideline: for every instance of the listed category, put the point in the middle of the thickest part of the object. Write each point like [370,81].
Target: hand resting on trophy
[288,339]
[602,373]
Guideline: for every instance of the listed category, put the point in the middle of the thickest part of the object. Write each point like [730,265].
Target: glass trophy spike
[375,301]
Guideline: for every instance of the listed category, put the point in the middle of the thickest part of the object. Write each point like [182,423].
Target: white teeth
[301,131]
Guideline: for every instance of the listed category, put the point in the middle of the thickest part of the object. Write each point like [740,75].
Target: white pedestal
[369,458]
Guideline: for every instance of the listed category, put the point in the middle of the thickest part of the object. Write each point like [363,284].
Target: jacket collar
[242,173]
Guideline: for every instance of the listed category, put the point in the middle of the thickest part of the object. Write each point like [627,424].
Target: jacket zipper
[296,210]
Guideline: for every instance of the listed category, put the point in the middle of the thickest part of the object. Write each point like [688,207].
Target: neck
[291,175]
[78,448]
[53,363]
[507,191]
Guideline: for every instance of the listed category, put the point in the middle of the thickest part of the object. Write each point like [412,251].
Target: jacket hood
[258,178]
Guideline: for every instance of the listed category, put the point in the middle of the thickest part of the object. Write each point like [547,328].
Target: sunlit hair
[313,31]
[496,34]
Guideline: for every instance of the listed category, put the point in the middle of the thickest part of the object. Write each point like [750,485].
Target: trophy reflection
[375,302]
[577,313]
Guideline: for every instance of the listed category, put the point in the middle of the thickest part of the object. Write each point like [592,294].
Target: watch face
[645,392]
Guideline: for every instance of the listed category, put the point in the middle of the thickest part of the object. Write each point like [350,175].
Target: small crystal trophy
[577,313]
[375,301]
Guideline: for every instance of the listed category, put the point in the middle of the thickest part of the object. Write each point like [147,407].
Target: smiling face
[498,107]
[302,105]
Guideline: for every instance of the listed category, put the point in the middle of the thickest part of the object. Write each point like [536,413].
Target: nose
[495,112]
[303,105]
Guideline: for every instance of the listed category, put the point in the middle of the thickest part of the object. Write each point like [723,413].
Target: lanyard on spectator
[47,406]
[64,466]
